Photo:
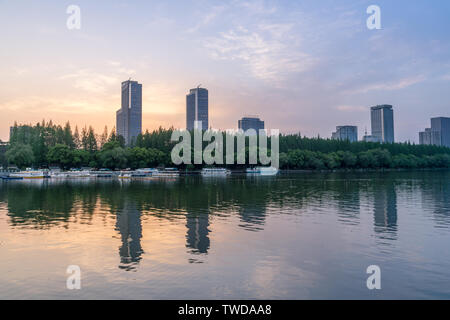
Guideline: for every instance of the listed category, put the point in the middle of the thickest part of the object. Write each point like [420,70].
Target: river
[293,236]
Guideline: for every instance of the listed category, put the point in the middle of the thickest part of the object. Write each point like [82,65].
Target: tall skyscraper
[440,131]
[382,121]
[250,122]
[349,133]
[129,116]
[197,109]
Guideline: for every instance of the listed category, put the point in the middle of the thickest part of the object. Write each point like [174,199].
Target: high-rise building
[349,133]
[440,131]
[250,122]
[129,116]
[382,121]
[425,137]
[197,109]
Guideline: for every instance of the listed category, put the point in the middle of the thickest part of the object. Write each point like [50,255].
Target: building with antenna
[370,138]
[197,109]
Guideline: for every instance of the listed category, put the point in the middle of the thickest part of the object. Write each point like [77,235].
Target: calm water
[304,236]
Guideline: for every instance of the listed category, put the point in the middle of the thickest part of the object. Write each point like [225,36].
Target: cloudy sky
[302,66]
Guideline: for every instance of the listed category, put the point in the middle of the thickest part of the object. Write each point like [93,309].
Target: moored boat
[125,175]
[144,172]
[252,171]
[268,171]
[208,172]
[167,172]
[8,177]
[58,175]
[29,174]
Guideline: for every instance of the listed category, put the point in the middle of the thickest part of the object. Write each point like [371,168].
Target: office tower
[197,109]
[250,122]
[129,116]
[382,121]
[349,133]
[440,131]
[425,137]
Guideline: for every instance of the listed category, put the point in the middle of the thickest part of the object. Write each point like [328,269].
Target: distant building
[197,109]
[382,121]
[425,137]
[349,133]
[129,116]
[251,122]
[440,131]
[371,138]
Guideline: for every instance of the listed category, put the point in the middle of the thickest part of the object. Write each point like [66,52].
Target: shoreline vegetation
[47,145]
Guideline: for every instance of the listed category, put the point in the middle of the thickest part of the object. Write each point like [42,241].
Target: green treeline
[46,144]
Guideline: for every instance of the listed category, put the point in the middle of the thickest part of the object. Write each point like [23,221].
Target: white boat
[267,171]
[167,172]
[69,174]
[102,173]
[252,171]
[29,174]
[124,175]
[83,174]
[145,172]
[78,174]
[208,172]
[58,175]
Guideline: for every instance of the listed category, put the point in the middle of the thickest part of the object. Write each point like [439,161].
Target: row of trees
[370,159]
[46,144]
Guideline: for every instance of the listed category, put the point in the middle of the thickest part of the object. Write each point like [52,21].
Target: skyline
[301,60]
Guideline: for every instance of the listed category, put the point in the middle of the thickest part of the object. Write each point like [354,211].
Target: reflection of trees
[197,202]
[37,205]
[438,193]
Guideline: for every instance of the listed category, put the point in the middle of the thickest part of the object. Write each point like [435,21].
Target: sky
[302,66]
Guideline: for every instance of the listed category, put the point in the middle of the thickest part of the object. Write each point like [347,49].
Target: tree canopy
[46,144]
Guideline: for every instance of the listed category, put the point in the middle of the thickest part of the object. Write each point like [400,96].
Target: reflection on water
[385,211]
[240,237]
[129,226]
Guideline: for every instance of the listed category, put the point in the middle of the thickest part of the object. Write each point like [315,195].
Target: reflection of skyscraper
[129,116]
[385,211]
[197,225]
[197,109]
[129,225]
